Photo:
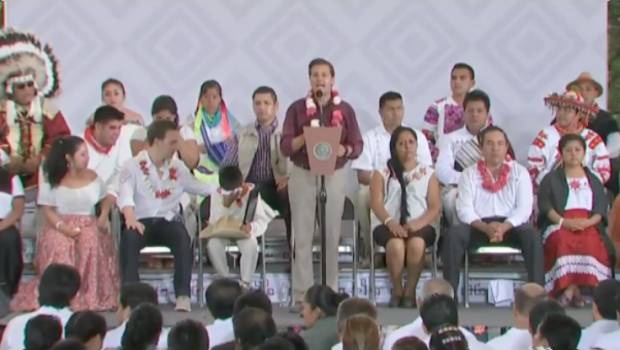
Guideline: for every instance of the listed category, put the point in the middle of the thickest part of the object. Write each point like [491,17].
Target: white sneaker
[184,304]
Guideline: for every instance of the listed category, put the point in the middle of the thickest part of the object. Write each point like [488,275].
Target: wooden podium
[322,145]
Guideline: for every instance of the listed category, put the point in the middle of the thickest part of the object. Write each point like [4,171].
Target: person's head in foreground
[221,296]
[252,326]
[69,344]
[360,333]
[542,309]
[558,332]
[88,327]
[41,332]
[58,286]
[439,310]
[526,296]
[409,343]
[143,328]
[320,302]
[188,334]
[354,307]
[448,337]
[132,295]
[277,343]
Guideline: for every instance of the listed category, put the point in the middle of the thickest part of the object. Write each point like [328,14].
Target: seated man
[494,205]
[604,312]
[257,152]
[221,296]
[237,214]
[459,149]
[132,295]
[571,116]
[151,187]
[376,153]
[557,331]
[59,284]
[518,337]
[610,340]
[441,310]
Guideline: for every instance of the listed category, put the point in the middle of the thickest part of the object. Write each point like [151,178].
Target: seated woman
[11,211]
[318,310]
[405,202]
[70,235]
[113,94]
[573,207]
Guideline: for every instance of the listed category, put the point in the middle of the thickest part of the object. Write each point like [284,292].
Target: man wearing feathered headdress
[28,121]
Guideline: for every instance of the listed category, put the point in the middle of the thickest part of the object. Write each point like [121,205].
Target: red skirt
[92,253]
[579,257]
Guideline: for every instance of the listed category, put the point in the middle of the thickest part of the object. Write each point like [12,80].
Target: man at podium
[322,106]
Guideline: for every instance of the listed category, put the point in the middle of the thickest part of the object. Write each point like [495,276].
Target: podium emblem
[322,150]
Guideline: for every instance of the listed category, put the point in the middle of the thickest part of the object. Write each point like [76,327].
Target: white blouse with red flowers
[153,195]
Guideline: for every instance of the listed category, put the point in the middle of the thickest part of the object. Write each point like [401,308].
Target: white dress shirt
[108,165]
[6,199]
[376,151]
[220,332]
[514,201]
[13,337]
[262,215]
[137,190]
[449,145]
[609,341]
[591,334]
[114,336]
[514,339]
[416,329]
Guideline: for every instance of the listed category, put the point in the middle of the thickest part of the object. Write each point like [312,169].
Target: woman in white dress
[405,202]
[71,236]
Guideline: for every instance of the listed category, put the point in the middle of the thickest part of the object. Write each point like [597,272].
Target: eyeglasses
[21,86]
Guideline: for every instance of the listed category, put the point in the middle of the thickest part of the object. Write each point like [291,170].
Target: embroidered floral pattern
[159,193]
[336,118]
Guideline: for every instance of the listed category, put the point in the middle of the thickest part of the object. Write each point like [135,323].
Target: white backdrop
[521,50]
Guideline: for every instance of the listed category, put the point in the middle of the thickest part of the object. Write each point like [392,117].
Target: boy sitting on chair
[238,214]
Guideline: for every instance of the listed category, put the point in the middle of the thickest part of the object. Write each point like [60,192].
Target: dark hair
[209,84]
[396,170]
[69,344]
[85,325]
[252,326]
[462,65]
[58,285]
[165,103]
[409,343]
[477,95]
[490,129]
[562,332]
[188,334]
[230,177]
[524,302]
[158,130]
[298,342]
[143,328]
[221,296]
[439,310]
[41,332]
[254,298]
[604,297]
[448,337]
[265,90]
[389,96]
[324,298]
[277,343]
[541,310]
[568,138]
[136,293]
[112,81]
[56,165]
[361,333]
[105,114]
[321,61]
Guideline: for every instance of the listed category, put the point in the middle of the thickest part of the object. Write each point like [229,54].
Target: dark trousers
[464,236]
[278,200]
[11,261]
[158,231]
